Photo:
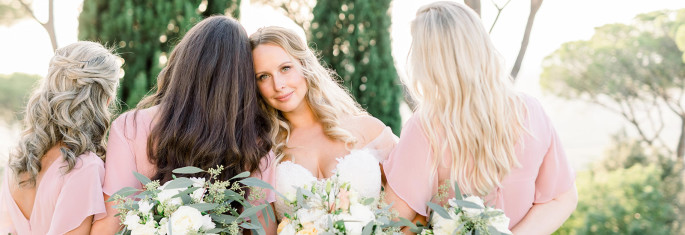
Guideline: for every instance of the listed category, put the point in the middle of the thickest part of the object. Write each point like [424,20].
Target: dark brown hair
[208,108]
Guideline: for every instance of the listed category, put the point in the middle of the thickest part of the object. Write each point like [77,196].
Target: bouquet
[191,205]
[466,216]
[332,207]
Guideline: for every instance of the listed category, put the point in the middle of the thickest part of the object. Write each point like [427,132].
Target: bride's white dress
[360,168]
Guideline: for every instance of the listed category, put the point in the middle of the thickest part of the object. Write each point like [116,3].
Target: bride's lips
[285,97]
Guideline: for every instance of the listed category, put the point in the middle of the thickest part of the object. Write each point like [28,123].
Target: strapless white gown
[360,168]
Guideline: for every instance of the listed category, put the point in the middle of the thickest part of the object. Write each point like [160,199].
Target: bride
[321,129]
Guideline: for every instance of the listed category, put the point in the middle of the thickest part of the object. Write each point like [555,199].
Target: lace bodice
[360,168]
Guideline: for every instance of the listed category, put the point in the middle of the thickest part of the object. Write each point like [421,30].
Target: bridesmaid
[53,184]
[473,128]
[204,113]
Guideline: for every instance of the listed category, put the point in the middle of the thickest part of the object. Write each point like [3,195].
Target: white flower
[358,217]
[470,212]
[147,229]
[132,220]
[186,219]
[361,166]
[309,215]
[198,195]
[289,229]
[291,196]
[501,223]
[207,223]
[198,182]
[144,207]
[163,226]
[442,225]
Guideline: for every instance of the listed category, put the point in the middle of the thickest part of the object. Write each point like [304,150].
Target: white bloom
[198,182]
[207,223]
[289,229]
[144,206]
[471,212]
[358,217]
[198,195]
[163,226]
[291,196]
[186,219]
[166,195]
[309,215]
[442,225]
[132,220]
[361,166]
[147,229]
[501,223]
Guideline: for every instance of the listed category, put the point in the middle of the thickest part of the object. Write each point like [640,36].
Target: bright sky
[584,129]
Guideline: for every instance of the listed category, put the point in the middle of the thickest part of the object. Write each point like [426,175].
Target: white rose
[163,226]
[442,225]
[144,206]
[132,220]
[501,223]
[186,219]
[207,223]
[198,195]
[309,215]
[362,213]
[289,229]
[198,182]
[361,166]
[472,212]
[166,194]
[147,229]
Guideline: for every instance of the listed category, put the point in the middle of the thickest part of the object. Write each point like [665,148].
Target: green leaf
[251,211]
[180,182]
[217,230]
[204,206]
[368,228]
[457,191]
[143,179]
[468,204]
[124,192]
[224,219]
[241,175]
[439,209]
[187,170]
[368,201]
[250,226]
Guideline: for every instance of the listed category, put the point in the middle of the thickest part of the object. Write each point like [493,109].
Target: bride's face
[279,78]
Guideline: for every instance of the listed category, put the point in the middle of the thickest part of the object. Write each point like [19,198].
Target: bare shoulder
[366,127]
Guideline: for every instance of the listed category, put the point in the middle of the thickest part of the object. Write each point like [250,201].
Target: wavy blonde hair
[327,98]
[69,107]
[467,104]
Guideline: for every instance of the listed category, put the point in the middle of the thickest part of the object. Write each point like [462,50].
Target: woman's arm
[545,218]
[109,224]
[273,225]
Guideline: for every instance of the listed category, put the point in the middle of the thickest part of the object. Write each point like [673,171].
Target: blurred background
[610,74]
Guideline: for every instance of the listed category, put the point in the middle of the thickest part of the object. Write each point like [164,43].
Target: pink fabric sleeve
[556,175]
[80,196]
[383,144]
[6,225]
[120,162]
[409,170]
[267,167]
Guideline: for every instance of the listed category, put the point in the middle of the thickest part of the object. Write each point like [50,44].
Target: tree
[300,11]
[634,70]
[11,11]
[145,33]
[354,40]
[14,94]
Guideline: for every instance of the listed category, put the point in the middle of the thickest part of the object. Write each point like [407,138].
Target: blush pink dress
[543,175]
[127,152]
[62,201]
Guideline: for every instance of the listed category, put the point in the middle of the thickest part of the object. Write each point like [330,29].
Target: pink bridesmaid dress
[62,201]
[543,175]
[127,152]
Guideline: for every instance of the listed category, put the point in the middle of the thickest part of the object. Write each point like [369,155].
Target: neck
[301,117]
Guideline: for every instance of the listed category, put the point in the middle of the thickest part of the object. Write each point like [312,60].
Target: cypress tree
[353,37]
[144,33]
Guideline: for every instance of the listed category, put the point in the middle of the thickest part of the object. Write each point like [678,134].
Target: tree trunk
[50,25]
[473,4]
[534,6]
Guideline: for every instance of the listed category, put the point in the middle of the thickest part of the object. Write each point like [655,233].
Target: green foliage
[144,34]
[354,40]
[14,93]
[633,190]
[11,11]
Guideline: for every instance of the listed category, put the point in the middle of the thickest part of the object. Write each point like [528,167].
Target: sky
[584,129]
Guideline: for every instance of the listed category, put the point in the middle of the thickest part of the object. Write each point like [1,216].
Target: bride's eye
[285,68]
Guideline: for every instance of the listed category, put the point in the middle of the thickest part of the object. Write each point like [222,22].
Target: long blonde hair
[70,107]
[329,101]
[467,104]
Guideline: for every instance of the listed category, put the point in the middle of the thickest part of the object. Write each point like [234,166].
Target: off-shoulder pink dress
[544,173]
[62,201]
[127,152]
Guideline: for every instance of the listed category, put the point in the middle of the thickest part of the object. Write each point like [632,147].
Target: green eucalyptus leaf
[187,170]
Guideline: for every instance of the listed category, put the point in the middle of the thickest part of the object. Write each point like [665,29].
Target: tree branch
[28,9]
[534,6]
[499,11]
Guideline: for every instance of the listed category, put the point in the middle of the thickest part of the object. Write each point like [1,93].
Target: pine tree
[354,40]
[144,33]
